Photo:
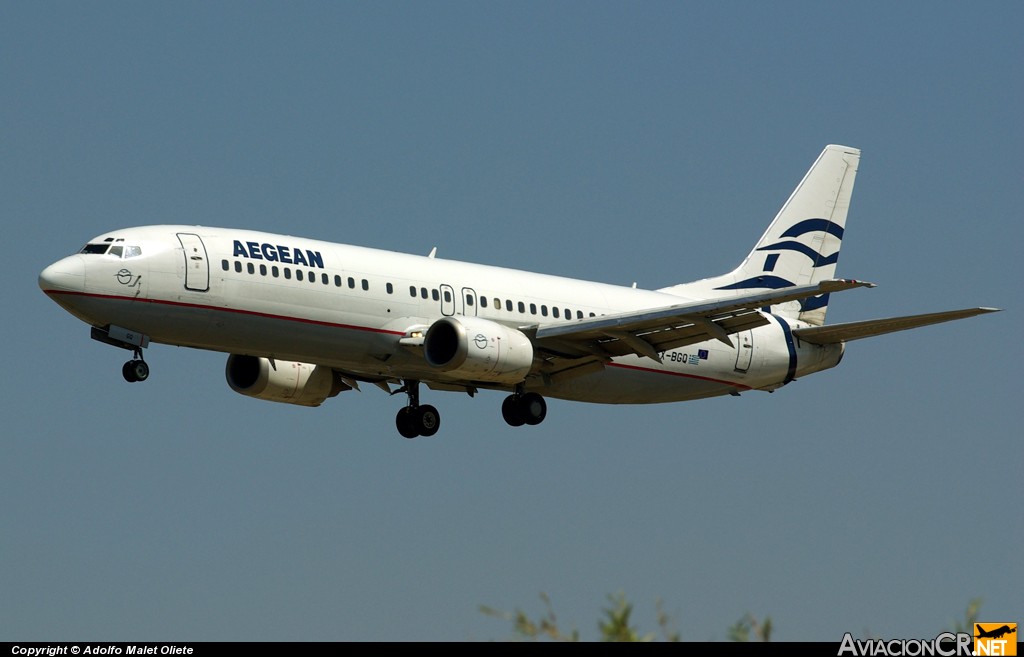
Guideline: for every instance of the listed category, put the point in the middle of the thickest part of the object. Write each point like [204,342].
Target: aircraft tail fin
[801,245]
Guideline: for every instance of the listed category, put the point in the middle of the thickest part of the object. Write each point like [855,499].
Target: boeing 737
[303,320]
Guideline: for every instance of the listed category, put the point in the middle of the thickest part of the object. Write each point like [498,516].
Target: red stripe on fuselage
[682,374]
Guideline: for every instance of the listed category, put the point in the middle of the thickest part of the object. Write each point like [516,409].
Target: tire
[427,419]
[512,412]
[128,372]
[533,408]
[140,370]
[405,421]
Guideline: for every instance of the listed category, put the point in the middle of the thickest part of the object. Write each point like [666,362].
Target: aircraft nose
[64,275]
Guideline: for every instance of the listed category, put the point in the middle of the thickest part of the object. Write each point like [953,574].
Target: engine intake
[478,349]
[283,381]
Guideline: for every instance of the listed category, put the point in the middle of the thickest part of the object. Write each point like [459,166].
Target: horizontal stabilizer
[866,329]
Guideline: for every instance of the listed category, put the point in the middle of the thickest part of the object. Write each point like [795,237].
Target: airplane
[996,633]
[303,320]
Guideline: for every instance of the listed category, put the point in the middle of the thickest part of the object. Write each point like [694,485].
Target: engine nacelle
[282,380]
[478,349]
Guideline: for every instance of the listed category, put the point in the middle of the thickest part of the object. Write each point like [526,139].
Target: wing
[591,342]
[866,329]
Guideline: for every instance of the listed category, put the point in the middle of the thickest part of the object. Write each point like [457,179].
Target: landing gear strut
[136,369]
[415,420]
[521,408]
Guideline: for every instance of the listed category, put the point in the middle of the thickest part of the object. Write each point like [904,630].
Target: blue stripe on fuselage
[790,345]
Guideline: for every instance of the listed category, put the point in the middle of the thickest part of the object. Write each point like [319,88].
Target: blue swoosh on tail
[804,249]
[811,225]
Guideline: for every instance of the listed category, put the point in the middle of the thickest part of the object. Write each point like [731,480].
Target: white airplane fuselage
[215,289]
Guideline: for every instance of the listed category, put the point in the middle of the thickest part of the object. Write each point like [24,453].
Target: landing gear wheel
[533,408]
[406,423]
[427,420]
[512,412]
[135,370]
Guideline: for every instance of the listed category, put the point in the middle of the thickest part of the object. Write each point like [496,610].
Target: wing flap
[872,327]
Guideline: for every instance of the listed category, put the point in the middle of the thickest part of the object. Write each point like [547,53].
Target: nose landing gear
[136,369]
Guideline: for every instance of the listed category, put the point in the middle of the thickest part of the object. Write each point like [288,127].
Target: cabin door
[744,350]
[197,268]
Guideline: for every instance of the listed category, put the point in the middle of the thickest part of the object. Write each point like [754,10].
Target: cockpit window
[98,249]
[116,251]
[132,251]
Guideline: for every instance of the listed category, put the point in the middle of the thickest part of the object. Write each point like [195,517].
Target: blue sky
[619,142]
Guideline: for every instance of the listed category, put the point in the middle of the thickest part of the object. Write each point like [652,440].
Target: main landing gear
[136,369]
[521,408]
[415,420]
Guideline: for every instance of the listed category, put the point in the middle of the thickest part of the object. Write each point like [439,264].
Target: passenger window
[434,295]
[366,285]
[579,314]
[423,292]
[508,305]
[325,279]
[412,291]
[263,270]
[298,274]
[288,273]
[224,265]
[447,296]
[351,283]
[469,299]
[522,307]
[483,302]
[554,311]
[337,281]
[238,266]
[533,309]
[390,288]
[274,271]
[544,310]
[251,268]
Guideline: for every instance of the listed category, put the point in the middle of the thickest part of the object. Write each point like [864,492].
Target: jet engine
[282,380]
[478,350]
